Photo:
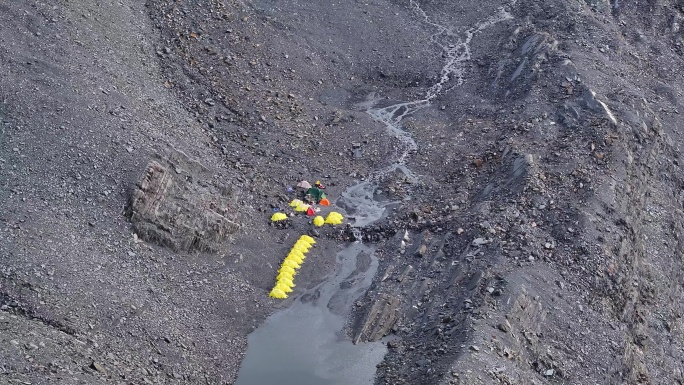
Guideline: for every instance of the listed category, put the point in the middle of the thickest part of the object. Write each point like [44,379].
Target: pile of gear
[313,194]
[289,267]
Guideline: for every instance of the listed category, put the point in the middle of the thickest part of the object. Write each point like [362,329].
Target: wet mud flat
[305,343]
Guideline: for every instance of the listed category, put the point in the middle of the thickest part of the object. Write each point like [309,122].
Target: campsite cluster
[310,197]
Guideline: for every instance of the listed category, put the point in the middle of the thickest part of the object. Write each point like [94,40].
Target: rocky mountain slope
[539,241]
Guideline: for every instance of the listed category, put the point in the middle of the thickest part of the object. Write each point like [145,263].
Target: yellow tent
[307,239]
[302,207]
[291,263]
[334,218]
[294,261]
[283,288]
[278,217]
[297,252]
[319,221]
[277,293]
[301,246]
[286,282]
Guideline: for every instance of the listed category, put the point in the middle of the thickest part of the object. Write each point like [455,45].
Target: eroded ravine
[304,343]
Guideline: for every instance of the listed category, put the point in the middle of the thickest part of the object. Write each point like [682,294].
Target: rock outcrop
[176,204]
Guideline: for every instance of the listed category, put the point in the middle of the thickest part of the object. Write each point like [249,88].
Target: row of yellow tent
[299,206]
[293,261]
[333,218]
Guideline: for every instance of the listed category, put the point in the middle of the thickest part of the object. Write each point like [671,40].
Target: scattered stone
[504,327]
[549,372]
[480,241]
[95,365]
[379,320]
[405,273]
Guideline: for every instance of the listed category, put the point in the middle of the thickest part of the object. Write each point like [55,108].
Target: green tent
[316,193]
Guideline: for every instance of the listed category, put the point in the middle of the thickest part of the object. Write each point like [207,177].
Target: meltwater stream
[304,344]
